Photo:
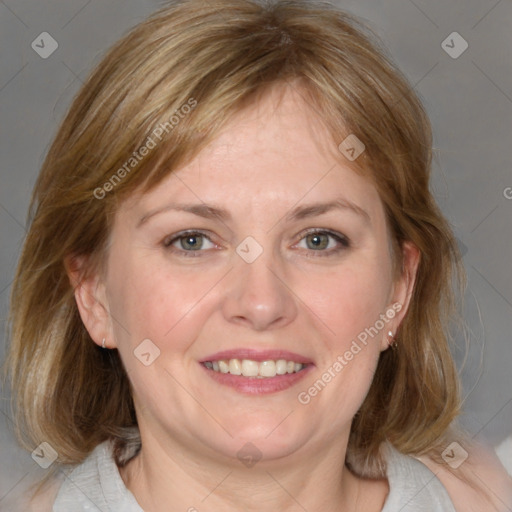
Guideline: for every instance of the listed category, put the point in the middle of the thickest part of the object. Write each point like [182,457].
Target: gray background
[468,98]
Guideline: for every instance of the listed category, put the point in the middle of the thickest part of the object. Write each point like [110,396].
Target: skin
[269,159]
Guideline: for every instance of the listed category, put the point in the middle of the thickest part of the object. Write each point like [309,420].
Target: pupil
[318,242]
[191,242]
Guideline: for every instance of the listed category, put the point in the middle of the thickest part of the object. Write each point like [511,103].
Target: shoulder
[412,486]
[479,483]
[96,485]
[47,495]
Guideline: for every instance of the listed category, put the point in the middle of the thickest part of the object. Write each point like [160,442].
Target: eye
[323,241]
[189,241]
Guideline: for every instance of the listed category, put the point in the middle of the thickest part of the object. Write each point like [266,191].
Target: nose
[258,297]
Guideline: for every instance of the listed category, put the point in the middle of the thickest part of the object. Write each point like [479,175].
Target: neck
[168,474]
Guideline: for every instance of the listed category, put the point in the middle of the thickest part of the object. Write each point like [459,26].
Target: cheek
[149,300]
[351,298]
[350,302]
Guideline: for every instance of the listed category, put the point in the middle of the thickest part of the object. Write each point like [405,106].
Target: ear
[402,290]
[91,300]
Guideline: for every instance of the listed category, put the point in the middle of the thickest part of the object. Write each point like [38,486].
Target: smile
[251,368]
[256,372]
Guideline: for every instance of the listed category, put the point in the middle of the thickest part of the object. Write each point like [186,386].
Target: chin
[264,440]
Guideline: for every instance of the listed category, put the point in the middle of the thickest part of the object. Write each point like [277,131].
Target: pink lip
[257,355]
[255,386]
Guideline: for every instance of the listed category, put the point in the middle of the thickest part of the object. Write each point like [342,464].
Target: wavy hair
[218,57]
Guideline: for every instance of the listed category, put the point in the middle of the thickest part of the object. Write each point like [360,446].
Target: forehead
[275,151]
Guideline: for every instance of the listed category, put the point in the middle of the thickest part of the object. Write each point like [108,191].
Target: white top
[504,451]
[96,486]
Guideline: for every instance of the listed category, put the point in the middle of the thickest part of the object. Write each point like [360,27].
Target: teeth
[268,369]
[223,367]
[250,368]
[235,368]
[281,366]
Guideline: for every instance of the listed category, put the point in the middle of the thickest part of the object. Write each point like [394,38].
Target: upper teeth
[250,368]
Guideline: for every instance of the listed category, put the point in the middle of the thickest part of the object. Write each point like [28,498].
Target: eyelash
[342,240]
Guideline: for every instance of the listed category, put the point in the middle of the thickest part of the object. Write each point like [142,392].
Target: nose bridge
[258,297]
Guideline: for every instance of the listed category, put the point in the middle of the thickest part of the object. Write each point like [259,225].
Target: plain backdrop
[468,97]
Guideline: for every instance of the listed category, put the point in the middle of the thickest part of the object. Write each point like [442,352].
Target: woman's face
[266,248]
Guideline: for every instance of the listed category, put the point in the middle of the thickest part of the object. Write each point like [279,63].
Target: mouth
[251,368]
[253,372]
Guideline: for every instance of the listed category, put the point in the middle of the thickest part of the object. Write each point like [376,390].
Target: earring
[392,342]
[103,343]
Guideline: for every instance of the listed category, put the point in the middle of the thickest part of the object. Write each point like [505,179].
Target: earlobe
[91,300]
[402,292]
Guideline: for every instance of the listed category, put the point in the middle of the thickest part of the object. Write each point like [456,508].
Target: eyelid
[169,240]
[343,241]
[327,231]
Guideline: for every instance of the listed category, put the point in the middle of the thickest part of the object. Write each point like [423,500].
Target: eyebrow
[201,210]
[311,210]
[298,213]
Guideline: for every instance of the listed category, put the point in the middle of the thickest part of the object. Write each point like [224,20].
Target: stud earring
[392,342]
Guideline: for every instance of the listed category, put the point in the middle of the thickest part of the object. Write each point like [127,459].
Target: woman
[235,290]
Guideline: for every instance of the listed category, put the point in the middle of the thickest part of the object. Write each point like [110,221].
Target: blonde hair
[217,57]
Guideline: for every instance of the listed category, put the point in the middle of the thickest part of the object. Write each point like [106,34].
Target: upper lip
[256,355]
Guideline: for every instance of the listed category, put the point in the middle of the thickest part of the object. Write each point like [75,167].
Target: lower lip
[255,386]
